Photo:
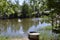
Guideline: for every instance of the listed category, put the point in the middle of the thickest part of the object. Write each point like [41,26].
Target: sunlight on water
[19,20]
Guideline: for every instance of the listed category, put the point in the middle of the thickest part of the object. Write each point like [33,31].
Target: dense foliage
[32,8]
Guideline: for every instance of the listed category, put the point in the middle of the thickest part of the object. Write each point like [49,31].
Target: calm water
[20,27]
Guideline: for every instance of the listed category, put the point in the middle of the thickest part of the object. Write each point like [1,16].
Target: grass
[47,28]
[7,38]
[44,36]
[47,36]
[4,38]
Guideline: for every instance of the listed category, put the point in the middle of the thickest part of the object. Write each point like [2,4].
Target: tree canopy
[29,8]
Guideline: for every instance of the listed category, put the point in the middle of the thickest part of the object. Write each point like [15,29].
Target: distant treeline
[32,8]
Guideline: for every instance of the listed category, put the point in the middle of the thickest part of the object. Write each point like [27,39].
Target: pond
[21,27]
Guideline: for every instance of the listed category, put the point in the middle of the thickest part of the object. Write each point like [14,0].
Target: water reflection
[10,32]
[14,28]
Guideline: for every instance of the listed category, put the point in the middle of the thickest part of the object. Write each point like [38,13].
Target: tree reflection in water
[14,28]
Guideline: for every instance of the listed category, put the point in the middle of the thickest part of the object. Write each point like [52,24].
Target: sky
[20,1]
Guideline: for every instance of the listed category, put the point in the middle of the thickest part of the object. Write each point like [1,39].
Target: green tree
[54,4]
[5,8]
[26,10]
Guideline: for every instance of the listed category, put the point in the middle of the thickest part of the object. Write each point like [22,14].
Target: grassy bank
[46,28]
[4,38]
[47,34]
[7,38]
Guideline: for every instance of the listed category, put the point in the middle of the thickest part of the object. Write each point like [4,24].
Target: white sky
[20,1]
